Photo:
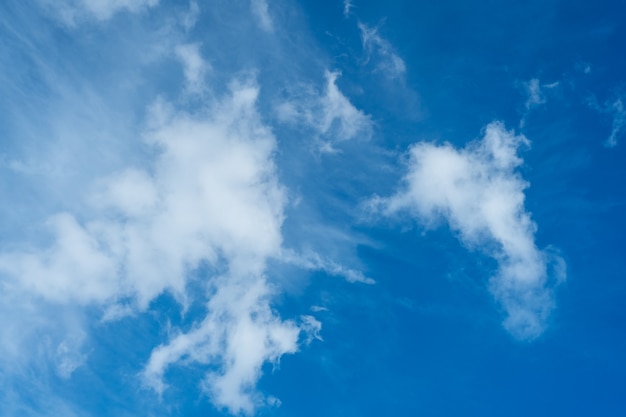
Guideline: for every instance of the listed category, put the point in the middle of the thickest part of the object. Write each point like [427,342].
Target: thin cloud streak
[72,12]
[616,109]
[330,114]
[382,52]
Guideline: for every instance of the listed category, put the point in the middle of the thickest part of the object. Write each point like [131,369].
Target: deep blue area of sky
[442,354]
[426,339]
[464,59]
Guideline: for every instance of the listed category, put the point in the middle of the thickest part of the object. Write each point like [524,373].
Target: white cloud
[261,13]
[339,114]
[69,356]
[311,327]
[194,67]
[131,191]
[534,93]
[348,5]
[331,114]
[190,18]
[616,109]
[74,268]
[210,197]
[619,120]
[479,193]
[240,333]
[71,11]
[388,62]
[313,261]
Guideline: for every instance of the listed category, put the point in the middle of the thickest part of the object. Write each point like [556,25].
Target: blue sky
[300,208]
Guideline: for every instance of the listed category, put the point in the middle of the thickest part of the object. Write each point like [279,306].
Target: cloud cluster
[211,197]
[479,193]
[240,332]
[190,206]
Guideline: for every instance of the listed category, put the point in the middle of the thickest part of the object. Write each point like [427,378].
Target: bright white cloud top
[210,198]
[479,193]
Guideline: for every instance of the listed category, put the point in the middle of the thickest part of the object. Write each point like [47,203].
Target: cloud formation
[211,197]
[240,333]
[478,192]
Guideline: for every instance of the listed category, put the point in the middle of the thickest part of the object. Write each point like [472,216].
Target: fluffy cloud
[240,333]
[211,197]
[479,193]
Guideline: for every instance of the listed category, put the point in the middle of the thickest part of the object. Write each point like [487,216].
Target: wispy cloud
[260,10]
[380,50]
[615,108]
[313,261]
[37,338]
[194,66]
[534,93]
[183,200]
[72,12]
[479,193]
[348,5]
[330,114]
